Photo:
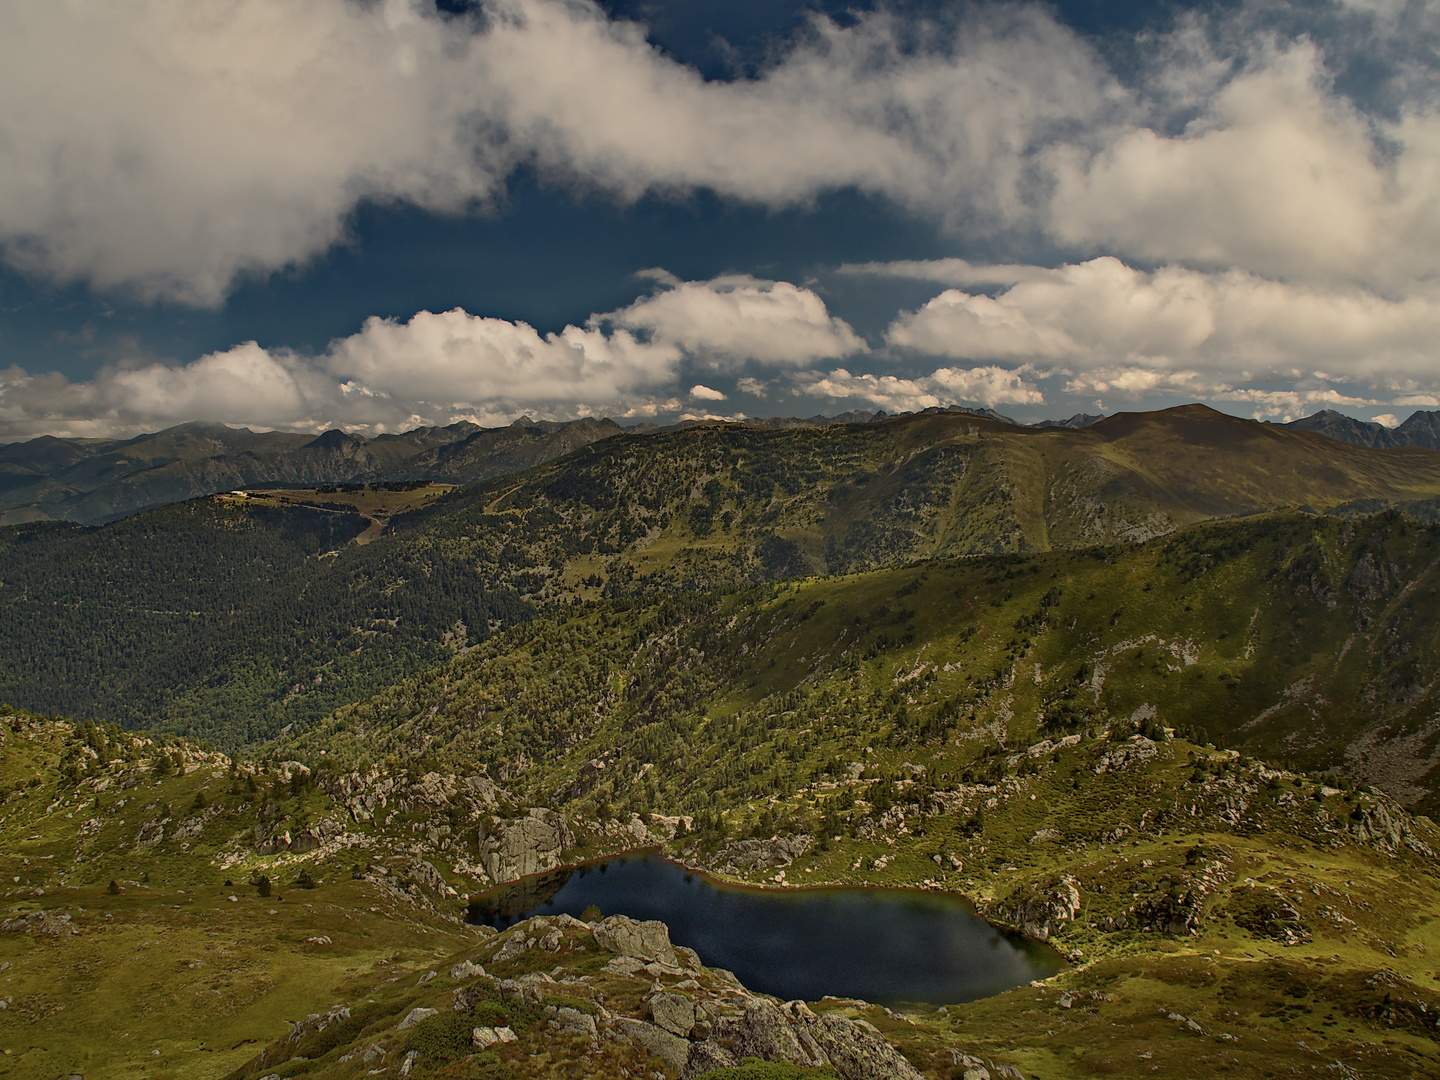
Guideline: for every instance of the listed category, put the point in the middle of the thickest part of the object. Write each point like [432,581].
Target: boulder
[773,854]
[466,969]
[648,941]
[673,1012]
[414,1016]
[570,1021]
[1047,913]
[482,1038]
[523,846]
[671,1049]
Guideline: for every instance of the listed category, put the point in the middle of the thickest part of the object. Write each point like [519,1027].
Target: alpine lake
[894,947]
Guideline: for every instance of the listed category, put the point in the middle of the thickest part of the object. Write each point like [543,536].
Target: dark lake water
[890,946]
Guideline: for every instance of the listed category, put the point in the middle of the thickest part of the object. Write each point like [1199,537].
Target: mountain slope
[89,480]
[1421,428]
[1303,639]
[716,507]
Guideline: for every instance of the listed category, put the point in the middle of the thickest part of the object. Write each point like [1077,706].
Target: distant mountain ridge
[88,481]
[91,481]
[1422,429]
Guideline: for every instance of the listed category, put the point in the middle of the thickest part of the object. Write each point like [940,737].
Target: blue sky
[379,214]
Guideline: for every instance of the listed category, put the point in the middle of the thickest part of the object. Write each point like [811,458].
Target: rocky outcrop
[317,1022]
[1382,827]
[792,1033]
[669,1048]
[46,923]
[671,1011]
[516,848]
[645,941]
[1135,750]
[773,854]
[1045,914]
[362,794]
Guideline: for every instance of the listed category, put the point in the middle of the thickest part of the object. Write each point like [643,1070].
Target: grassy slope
[712,507]
[1262,634]
[171,964]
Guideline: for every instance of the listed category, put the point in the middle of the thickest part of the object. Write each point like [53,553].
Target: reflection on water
[891,946]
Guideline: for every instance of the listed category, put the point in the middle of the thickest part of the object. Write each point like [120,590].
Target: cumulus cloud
[439,367]
[988,386]
[739,319]
[1277,175]
[1102,313]
[167,147]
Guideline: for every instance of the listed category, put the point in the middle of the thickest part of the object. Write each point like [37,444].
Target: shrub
[441,1038]
[755,1069]
[484,1066]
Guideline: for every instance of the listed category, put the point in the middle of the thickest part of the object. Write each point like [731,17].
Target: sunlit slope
[726,504]
[1304,639]
[152,622]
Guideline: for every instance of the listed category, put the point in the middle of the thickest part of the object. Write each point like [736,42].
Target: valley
[1158,692]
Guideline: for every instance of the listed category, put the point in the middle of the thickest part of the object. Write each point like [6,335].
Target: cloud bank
[1232,217]
[168,147]
[440,367]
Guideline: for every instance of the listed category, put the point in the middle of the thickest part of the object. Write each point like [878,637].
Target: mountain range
[1156,690]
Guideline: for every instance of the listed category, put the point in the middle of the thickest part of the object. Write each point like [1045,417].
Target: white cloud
[732,320]
[439,367]
[988,386]
[1389,420]
[167,146]
[468,360]
[1100,314]
[1277,175]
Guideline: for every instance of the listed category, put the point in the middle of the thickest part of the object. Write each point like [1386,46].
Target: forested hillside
[228,624]
[96,480]
[1302,639]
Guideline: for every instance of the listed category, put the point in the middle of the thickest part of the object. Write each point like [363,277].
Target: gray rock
[414,1016]
[1046,914]
[530,845]
[649,941]
[511,949]
[765,1032]
[794,1034]
[1133,751]
[772,854]
[671,1049]
[466,969]
[705,1056]
[317,1022]
[859,1052]
[673,1012]
[625,966]
[482,1038]
[574,1022]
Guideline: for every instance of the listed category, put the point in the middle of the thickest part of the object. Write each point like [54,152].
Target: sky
[380,214]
